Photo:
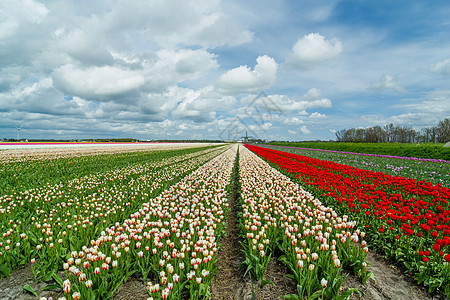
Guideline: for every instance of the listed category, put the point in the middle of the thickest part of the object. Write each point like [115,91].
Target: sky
[211,69]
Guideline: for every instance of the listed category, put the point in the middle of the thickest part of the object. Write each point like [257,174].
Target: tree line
[396,134]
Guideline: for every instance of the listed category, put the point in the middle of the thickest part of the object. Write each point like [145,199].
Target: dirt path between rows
[12,288]
[390,283]
[229,282]
[228,279]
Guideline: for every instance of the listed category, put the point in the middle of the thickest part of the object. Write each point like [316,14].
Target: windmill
[18,132]
[246,137]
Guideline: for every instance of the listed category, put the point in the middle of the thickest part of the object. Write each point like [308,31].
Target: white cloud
[313,49]
[42,99]
[29,90]
[245,80]
[173,67]
[442,67]
[202,105]
[293,121]
[387,82]
[105,83]
[312,99]
[292,132]
[317,115]
[177,22]
[219,30]
[23,33]
[16,13]
[96,83]
[259,128]
[305,130]
[83,46]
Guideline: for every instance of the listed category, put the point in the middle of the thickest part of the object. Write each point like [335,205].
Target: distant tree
[443,131]
[360,135]
[375,134]
[340,135]
[426,135]
[396,134]
[389,131]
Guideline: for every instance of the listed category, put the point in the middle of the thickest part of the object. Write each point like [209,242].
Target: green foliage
[4,271]
[28,289]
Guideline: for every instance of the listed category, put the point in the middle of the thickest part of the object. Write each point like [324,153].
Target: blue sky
[191,69]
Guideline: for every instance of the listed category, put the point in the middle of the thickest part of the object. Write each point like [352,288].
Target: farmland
[431,151]
[86,222]
[435,171]
[406,219]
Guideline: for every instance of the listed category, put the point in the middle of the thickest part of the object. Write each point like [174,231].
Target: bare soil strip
[12,288]
[283,285]
[390,284]
[228,280]
[133,289]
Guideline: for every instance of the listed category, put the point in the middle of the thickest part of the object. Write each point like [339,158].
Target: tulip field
[158,214]
[406,219]
[57,225]
[435,171]
[314,240]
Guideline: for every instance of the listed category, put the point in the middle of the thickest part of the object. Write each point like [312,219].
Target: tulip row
[172,239]
[406,219]
[315,242]
[434,171]
[44,225]
[32,169]
[45,154]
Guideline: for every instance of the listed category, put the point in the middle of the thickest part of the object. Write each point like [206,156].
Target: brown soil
[283,285]
[390,283]
[12,288]
[133,289]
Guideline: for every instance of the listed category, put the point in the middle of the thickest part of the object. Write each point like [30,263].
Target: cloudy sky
[286,70]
